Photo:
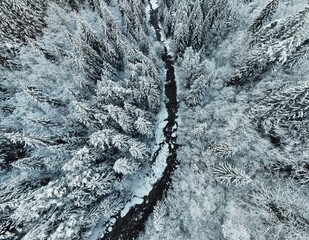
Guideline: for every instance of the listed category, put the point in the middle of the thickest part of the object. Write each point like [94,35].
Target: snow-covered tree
[275,43]
[264,16]
[125,166]
[227,174]
[222,150]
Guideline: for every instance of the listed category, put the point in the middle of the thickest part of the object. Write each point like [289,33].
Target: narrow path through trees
[130,225]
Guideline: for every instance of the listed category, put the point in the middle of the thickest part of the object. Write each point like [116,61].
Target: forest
[154,119]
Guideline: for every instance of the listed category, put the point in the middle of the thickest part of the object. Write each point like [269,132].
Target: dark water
[130,226]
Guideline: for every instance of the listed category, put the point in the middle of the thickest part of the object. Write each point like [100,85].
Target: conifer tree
[227,174]
[265,15]
[275,43]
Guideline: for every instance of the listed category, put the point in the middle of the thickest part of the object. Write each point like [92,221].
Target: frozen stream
[131,220]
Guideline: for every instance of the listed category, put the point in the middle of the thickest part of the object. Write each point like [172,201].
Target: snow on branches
[221,150]
[227,174]
[126,166]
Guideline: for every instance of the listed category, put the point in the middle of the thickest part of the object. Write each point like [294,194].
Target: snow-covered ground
[145,186]
[161,123]
[154,4]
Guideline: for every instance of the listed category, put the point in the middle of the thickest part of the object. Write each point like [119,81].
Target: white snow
[154,4]
[167,45]
[174,135]
[161,123]
[160,164]
[162,115]
[134,200]
[148,9]
[142,190]
[145,186]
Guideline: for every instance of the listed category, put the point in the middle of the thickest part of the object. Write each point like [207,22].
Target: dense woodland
[243,93]
[81,91]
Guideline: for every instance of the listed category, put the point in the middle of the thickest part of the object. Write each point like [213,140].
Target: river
[129,226]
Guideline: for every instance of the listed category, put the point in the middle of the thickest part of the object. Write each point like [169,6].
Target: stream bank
[133,222]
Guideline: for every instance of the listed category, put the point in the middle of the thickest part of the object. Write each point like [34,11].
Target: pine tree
[285,114]
[222,150]
[192,67]
[125,166]
[198,91]
[298,55]
[181,37]
[144,126]
[275,43]
[265,15]
[159,216]
[228,175]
